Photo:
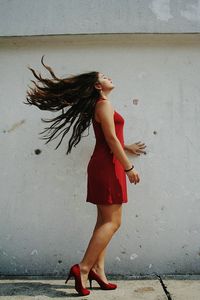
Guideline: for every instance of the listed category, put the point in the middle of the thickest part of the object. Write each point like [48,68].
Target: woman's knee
[112,215]
[111,226]
[117,223]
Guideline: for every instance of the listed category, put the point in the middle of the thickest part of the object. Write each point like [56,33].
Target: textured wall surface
[45,223]
[47,17]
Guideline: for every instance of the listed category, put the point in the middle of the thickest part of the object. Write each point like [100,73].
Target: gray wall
[45,223]
[47,17]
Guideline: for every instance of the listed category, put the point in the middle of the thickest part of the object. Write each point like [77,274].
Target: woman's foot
[76,273]
[103,285]
[84,274]
[101,273]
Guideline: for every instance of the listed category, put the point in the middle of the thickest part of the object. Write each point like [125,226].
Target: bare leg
[106,226]
[98,267]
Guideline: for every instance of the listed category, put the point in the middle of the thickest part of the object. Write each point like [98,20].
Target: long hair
[75,96]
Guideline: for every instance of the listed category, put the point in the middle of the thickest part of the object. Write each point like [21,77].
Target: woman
[83,100]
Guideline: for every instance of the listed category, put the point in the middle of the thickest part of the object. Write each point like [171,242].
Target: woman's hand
[136,148]
[133,176]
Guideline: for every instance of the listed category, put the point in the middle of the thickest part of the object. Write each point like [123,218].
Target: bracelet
[129,169]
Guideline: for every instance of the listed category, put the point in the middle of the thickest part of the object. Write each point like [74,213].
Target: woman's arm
[105,112]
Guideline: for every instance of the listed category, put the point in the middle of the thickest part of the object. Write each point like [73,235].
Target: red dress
[106,180]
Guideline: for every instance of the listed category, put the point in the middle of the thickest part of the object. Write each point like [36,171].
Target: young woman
[83,100]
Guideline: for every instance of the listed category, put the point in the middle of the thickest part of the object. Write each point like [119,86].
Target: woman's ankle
[98,269]
[84,268]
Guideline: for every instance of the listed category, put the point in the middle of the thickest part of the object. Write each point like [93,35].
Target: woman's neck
[104,95]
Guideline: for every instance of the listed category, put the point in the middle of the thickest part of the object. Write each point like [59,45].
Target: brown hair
[75,95]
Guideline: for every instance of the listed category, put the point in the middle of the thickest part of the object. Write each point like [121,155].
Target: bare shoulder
[104,105]
[103,110]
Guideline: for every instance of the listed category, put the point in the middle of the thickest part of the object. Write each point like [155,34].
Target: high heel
[75,272]
[104,286]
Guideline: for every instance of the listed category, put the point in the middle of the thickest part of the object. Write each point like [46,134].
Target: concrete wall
[47,17]
[45,223]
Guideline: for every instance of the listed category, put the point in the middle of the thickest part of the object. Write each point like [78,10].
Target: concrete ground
[41,289]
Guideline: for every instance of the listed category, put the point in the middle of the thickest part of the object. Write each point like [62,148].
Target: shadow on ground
[35,289]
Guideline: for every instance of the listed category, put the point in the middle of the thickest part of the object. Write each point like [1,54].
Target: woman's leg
[98,267]
[109,222]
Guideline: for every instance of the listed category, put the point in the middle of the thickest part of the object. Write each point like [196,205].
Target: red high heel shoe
[104,286]
[75,272]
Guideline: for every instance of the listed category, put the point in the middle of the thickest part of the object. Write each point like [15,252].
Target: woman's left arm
[136,148]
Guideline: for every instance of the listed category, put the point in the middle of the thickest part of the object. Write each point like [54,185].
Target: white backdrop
[45,223]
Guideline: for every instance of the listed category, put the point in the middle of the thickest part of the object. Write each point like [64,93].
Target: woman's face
[105,83]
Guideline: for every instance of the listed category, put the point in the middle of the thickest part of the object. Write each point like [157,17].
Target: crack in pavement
[164,288]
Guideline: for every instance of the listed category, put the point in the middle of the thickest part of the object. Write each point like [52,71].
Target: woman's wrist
[126,147]
[129,169]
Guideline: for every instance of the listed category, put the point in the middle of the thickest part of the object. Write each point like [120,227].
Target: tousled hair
[75,96]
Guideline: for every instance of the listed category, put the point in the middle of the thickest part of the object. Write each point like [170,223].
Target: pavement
[158,289]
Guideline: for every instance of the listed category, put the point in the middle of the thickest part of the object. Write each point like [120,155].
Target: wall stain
[15,126]
[161,10]
[192,11]
[37,151]
[34,252]
[117,258]
[135,101]
[133,256]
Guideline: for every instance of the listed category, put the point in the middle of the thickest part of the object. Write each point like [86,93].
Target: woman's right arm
[105,112]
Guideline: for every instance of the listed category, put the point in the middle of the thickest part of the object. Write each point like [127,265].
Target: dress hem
[106,203]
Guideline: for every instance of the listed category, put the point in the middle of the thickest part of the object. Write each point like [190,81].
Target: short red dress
[106,179]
